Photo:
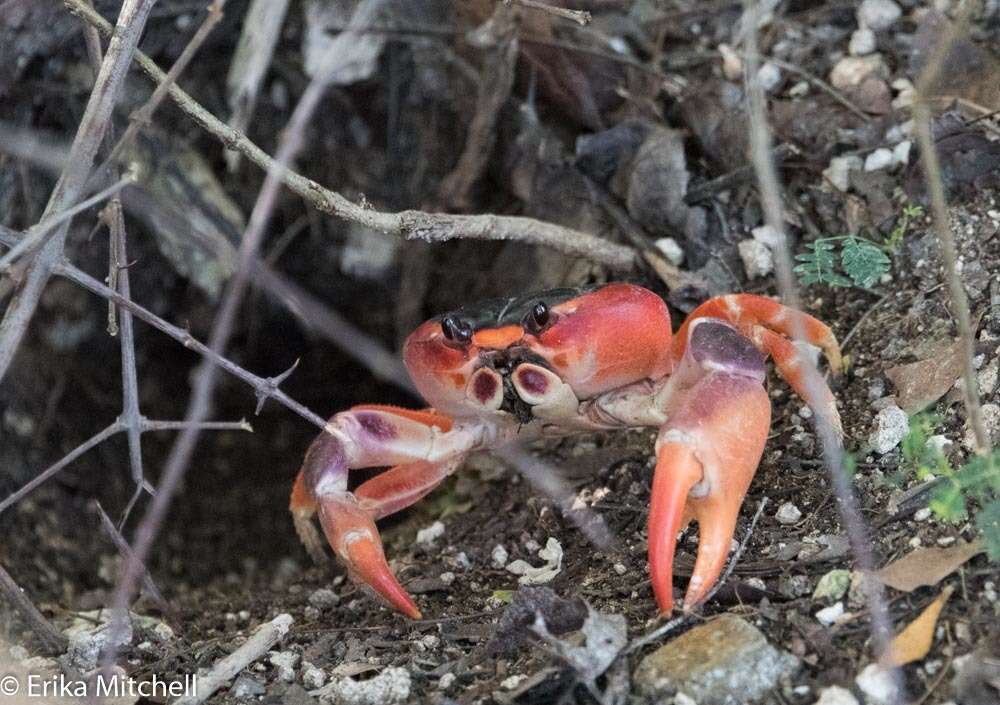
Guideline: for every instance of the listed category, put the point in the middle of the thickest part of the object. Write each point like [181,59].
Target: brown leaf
[920,384]
[913,643]
[928,566]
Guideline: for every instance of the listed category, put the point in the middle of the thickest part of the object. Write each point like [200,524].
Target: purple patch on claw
[324,463]
[718,345]
[485,387]
[375,426]
[532,381]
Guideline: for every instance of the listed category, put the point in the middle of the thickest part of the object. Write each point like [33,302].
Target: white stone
[390,687]
[429,534]
[499,556]
[768,77]
[862,42]
[877,683]
[620,568]
[732,65]
[939,443]
[878,14]
[768,236]
[758,261]
[285,662]
[881,158]
[512,682]
[829,615]
[901,153]
[671,250]
[839,171]
[799,89]
[922,514]
[312,677]
[852,70]
[446,681]
[891,425]
[788,513]
[835,695]
[447,577]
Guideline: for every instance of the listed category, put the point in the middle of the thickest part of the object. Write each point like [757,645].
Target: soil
[228,557]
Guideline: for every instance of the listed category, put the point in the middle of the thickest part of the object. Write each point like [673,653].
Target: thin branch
[142,116]
[131,416]
[69,187]
[125,550]
[153,425]
[581,17]
[55,643]
[833,453]
[37,233]
[261,385]
[411,224]
[53,469]
[942,225]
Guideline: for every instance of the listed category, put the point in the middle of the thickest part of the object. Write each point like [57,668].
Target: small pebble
[512,682]
[447,577]
[620,568]
[671,250]
[769,77]
[324,598]
[835,695]
[312,677]
[285,662]
[881,158]
[922,514]
[788,513]
[946,541]
[891,425]
[446,681]
[877,683]
[829,615]
[862,42]
[839,171]
[878,14]
[901,153]
[758,260]
[431,533]
[499,556]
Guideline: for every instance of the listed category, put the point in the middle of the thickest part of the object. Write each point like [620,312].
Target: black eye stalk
[537,319]
[456,330]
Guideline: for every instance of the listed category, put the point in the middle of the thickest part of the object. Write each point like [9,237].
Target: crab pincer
[707,453]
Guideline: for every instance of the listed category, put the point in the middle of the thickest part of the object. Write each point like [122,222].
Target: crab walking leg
[707,453]
[423,450]
[771,325]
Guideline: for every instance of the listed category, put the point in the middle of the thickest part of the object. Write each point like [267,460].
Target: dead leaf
[928,566]
[920,384]
[913,643]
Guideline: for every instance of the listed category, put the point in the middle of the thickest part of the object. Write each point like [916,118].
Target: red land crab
[565,361]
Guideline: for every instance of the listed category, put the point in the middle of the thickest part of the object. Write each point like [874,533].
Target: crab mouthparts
[505,363]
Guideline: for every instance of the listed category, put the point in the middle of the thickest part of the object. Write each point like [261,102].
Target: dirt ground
[228,558]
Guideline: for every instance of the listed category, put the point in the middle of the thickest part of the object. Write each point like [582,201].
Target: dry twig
[53,640]
[942,225]
[93,125]
[411,224]
[225,669]
[125,550]
[581,17]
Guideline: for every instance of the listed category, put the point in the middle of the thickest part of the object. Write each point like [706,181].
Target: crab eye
[456,330]
[538,317]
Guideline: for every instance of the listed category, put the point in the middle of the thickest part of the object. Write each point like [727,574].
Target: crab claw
[354,538]
[707,455]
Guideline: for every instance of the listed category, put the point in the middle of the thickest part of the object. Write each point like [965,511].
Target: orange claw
[707,456]
[353,536]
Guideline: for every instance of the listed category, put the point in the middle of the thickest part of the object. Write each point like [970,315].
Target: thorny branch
[410,224]
[69,187]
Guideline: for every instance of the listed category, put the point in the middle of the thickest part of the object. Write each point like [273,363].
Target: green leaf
[864,261]
[504,596]
[818,266]
[988,523]
[947,501]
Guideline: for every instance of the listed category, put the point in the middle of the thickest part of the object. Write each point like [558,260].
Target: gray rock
[758,261]
[862,42]
[324,598]
[891,425]
[835,695]
[788,513]
[246,686]
[724,662]
[93,633]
